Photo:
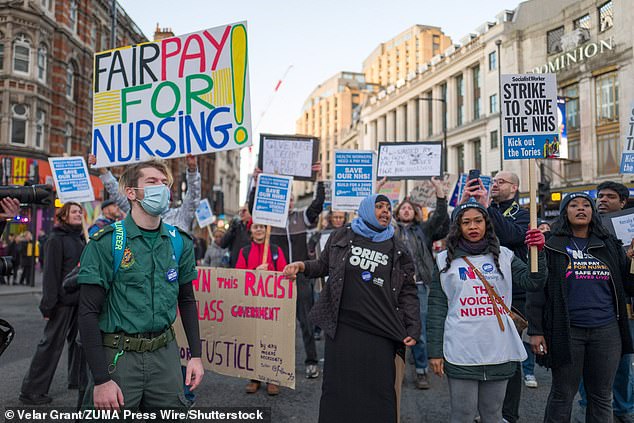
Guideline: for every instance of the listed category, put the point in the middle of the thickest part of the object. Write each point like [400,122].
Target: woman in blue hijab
[369,312]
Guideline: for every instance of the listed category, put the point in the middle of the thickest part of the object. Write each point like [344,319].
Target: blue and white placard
[272,197]
[354,178]
[72,180]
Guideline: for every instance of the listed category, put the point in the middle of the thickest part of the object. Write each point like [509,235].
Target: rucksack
[274,253]
[119,241]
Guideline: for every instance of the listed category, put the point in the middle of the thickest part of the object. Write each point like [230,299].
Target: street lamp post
[444,127]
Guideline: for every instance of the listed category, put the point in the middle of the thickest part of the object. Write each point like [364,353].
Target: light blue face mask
[156,199]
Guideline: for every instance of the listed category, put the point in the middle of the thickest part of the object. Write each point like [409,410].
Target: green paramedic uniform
[139,309]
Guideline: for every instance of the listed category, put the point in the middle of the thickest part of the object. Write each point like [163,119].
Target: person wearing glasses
[510,222]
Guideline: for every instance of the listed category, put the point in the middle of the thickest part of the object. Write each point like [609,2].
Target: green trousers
[148,380]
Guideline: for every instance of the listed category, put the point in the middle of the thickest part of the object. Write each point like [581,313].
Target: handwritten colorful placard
[180,95]
[247,324]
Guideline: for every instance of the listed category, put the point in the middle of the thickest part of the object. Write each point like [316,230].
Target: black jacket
[236,237]
[511,231]
[63,250]
[547,310]
[332,262]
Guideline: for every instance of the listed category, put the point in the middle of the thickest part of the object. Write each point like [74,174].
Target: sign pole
[532,189]
[267,242]
[211,236]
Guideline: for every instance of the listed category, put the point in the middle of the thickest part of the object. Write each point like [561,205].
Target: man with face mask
[182,216]
[133,276]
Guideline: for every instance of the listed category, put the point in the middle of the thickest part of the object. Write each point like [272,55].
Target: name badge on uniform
[172,275]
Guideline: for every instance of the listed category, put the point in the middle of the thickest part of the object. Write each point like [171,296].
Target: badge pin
[172,275]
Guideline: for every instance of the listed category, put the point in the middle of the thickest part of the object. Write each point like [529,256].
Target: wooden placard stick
[532,189]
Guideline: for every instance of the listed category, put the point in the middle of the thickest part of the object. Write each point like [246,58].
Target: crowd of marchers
[372,285]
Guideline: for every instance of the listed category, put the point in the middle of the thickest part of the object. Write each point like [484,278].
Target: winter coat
[547,309]
[63,250]
[276,261]
[332,263]
[437,314]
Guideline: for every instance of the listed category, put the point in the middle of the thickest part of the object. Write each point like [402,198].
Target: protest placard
[563,132]
[411,160]
[529,116]
[176,96]
[392,190]
[204,216]
[272,197]
[247,324]
[353,178]
[621,224]
[424,193]
[530,128]
[627,157]
[290,155]
[327,195]
[72,180]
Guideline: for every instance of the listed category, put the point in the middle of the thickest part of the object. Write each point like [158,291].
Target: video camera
[40,194]
[6,266]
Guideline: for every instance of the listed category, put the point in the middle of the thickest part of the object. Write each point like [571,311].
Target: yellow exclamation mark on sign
[239,76]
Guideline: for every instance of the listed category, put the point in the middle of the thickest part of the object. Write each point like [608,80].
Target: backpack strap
[177,241]
[118,244]
[245,253]
[274,253]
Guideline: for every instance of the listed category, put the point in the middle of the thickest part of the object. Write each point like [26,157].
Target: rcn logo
[466,273]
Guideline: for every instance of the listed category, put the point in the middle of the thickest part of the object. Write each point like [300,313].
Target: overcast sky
[318,38]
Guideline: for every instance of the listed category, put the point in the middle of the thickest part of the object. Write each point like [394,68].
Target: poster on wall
[181,95]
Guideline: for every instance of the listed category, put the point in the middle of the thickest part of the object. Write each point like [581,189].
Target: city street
[299,405]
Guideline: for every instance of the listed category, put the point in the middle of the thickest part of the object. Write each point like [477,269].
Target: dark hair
[620,189]
[455,234]
[416,207]
[561,226]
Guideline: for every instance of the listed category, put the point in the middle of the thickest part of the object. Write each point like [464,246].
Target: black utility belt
[126,342]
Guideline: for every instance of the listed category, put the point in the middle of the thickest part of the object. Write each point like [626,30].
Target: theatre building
[454,97]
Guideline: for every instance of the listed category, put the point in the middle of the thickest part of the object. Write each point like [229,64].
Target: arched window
[21,54]
[42,62]
[19,117]
[68,138]
[71,70]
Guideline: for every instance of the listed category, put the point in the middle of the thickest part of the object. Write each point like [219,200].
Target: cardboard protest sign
[176,96]
[392,190]
[411,160]
[354,176]
[563,131]
[621,224]
[529,116]
[247,324]
[424,193]
[290,155]
[72,180]
[272,198]
[204,216]
[627,157]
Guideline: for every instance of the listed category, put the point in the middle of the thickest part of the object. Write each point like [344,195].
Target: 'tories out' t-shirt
[590,299]
[367,301]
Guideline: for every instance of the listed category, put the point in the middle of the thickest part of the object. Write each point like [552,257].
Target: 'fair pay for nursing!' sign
[176,96]
[529,116]
[353,179]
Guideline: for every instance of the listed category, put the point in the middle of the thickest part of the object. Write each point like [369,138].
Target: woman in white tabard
[476,345]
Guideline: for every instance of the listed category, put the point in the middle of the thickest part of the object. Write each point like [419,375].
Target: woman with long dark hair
[369,312]
[578,322]
[471,335]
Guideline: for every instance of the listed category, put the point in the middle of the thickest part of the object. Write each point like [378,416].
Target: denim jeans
[595,355]
[528,365]
[420,349]
[623,388]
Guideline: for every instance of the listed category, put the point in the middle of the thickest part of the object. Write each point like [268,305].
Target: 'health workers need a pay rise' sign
[353,178]
[176,96]
[529,111]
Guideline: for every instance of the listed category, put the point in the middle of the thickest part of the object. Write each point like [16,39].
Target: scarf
[367,225]
[474,248]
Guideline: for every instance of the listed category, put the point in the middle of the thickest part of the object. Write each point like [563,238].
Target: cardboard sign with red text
[247,324]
